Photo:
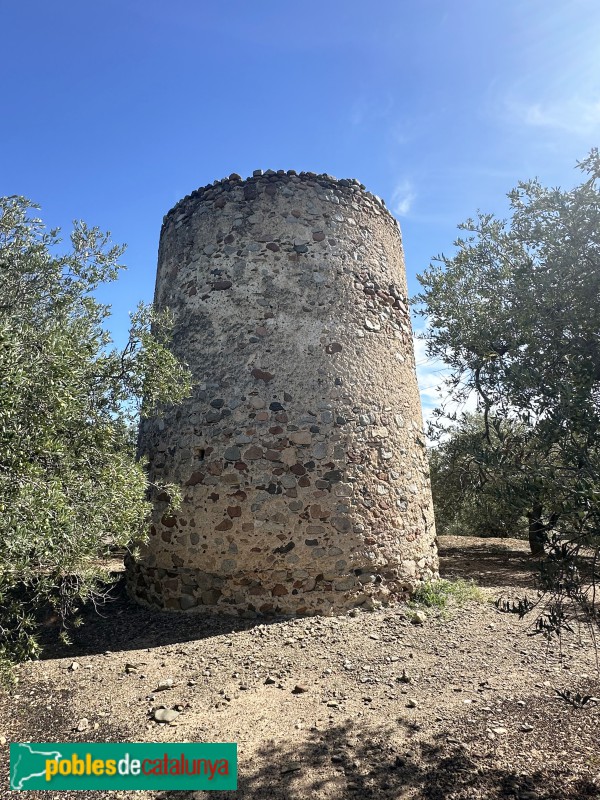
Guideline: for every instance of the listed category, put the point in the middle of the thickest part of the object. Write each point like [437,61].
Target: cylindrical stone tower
[300,454]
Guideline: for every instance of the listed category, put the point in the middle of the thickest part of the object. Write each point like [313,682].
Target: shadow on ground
[334,764]
[488,563]
[122,625]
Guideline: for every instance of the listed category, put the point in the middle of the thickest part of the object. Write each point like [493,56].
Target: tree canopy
[514,314]
[70,485]
[470,497]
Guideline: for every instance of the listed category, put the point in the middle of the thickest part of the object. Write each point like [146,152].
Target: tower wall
[300,454]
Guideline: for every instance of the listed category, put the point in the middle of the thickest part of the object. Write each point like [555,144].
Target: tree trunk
[537,531]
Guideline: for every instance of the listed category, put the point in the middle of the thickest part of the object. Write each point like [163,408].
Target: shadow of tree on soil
[489,566]
[334,765]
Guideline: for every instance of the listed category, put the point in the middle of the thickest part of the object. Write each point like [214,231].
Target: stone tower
[300,455]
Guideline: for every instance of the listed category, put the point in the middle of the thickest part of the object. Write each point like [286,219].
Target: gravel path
[367,706]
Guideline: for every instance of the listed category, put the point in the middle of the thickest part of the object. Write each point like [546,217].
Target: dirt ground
[365,706]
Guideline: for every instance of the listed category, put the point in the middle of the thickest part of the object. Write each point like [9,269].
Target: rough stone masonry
[300,455]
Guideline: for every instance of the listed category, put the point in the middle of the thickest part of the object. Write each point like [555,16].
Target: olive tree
[70,485]
[470,497]
[514,314]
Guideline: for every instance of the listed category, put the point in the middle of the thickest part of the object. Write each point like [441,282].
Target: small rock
[73,666]
[320,450]
[301,437]
[83,724]
[526,728]
[290,768]
[411,703]
[163,685]
[299,689]
[419,618]
[2,740]
[262,375]
[165,714]
[372,325]
[499,731]
[269,681]
[232,454]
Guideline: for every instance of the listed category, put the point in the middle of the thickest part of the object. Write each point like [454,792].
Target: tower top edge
[217,188]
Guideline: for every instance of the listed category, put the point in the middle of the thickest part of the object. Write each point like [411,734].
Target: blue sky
[112,111]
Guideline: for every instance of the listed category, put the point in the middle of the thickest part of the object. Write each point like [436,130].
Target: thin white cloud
[577,115]
[403,197]
[431,377]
